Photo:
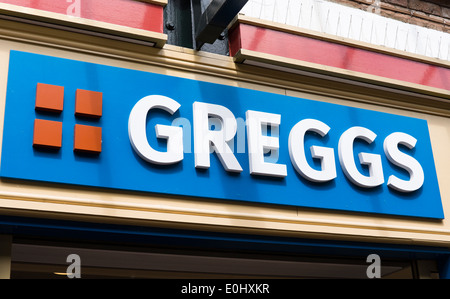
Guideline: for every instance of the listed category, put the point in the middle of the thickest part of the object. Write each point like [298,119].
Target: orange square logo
[88,139]
[47,134]
[49,97]
[88,103]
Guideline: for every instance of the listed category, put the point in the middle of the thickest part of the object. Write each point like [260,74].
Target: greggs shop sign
[81,123]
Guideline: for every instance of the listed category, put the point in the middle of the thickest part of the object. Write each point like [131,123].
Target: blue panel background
[119,167]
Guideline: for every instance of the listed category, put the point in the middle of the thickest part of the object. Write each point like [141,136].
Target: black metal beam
[178,23]
[215,19]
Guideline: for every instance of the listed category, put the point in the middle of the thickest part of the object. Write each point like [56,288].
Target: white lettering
[373,161]
[138,133]
[215,129]
[247,288]
[258,143]
[400,159]
[204,138]
[194,289]
[325,154]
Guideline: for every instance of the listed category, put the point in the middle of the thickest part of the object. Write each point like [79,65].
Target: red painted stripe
[346,57]
[128,13]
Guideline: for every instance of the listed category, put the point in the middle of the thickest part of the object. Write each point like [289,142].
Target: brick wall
[433,14]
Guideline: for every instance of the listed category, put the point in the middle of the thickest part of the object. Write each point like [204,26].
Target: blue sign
[87,124]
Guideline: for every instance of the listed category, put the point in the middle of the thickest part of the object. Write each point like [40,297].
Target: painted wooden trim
[128,13]
[242,19]
[366,25]
[292,65]
[159,39]
[299,51]
[221,216]
[157,2]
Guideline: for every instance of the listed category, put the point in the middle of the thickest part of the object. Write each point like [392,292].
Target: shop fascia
[259,143]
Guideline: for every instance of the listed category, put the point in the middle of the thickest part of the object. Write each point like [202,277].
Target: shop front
[125,156]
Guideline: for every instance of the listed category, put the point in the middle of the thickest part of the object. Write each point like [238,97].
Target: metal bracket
[209,25]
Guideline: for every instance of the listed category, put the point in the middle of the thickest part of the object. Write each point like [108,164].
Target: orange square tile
[47,133]
[49,97]
[88,139]
[88,103]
